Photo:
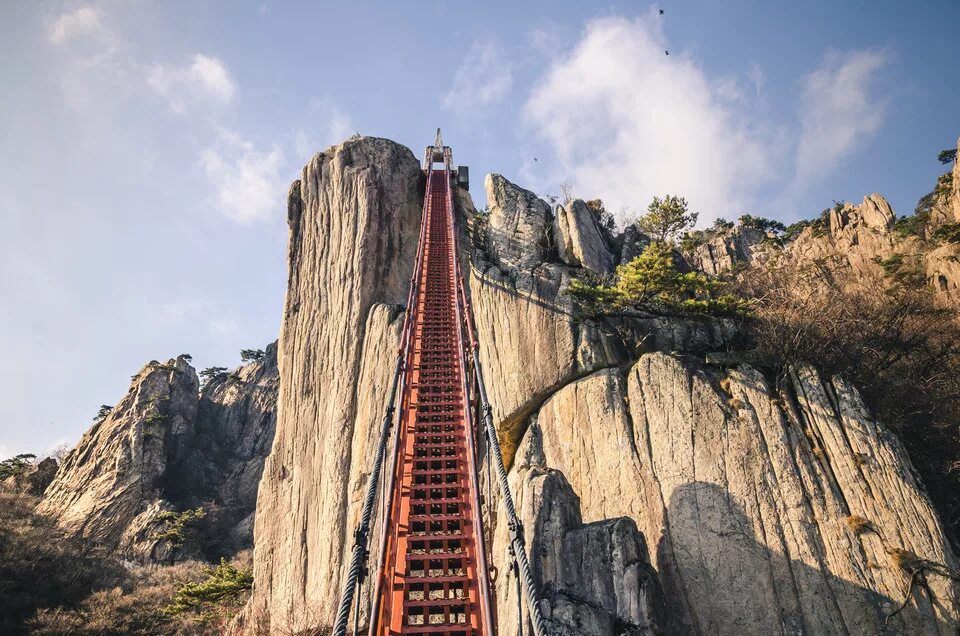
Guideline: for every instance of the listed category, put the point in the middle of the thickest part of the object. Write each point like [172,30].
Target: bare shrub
[143,603]
[40,567]
[890,338]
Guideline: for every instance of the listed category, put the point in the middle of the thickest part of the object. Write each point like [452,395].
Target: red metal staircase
[432,576]
[435,576]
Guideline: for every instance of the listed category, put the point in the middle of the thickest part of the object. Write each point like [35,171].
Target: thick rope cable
[356,609]
[519,599]
[517,540]
[362,534]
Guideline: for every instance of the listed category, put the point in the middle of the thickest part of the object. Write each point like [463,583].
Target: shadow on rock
[719,579]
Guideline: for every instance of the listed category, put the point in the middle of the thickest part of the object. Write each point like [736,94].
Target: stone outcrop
[163,449]
[658,495]
[519,226]
[555,346]
[873,213]
[34,479]
[774,504]
[234,433]
[596,577]
[121,465]
[630,243]
[860,238]
[723,251]
[580,241]
[770,513]
[946,204]
[849,245]
[354,222]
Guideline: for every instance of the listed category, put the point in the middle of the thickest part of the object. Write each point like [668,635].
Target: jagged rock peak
[873,212]
[580,239]
[122,462]
[354,219]
[164,448]
[519,226]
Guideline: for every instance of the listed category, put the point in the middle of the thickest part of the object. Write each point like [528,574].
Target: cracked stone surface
[354,220]
[580,241]
[653,500]
[745,494]
[166,447]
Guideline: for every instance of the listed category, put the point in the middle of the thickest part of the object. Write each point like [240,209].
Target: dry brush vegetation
[57,585]
[890,336]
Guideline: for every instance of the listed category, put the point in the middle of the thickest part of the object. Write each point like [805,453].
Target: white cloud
[204,79]
[546,39]
[83,22]
[247,181]
[839,110]
[92,68]
[100,67]
[627,122]
[484,78]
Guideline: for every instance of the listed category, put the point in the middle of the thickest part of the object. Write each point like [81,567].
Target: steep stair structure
[432,577]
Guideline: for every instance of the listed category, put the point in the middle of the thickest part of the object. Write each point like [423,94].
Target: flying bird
[667,52]
[535,159]
[661,11]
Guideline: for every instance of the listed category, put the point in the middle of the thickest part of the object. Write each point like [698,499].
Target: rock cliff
[659,494]
[354,222]
[850,243]
[741,488]
[166,448]
[946,204]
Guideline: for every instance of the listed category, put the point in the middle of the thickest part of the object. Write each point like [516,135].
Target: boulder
[518,231]
[596,578]
[874,212]
[580,241]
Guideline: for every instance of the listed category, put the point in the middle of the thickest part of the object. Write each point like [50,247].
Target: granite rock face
[520,228]
[354,223]
[725,250]
[849,247]
[657,494]
[946,206]
[120,467]
[525,365]
[753,500]
[164,449]
[236,420]
[744,494]
[580,241]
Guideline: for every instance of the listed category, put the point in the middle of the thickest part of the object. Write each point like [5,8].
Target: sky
[146,147]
